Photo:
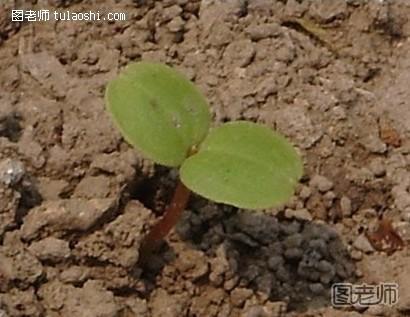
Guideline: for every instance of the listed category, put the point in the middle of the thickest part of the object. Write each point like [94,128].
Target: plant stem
[169,219]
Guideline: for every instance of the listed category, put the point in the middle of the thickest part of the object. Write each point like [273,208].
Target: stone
[193,265]
[50,249]
[293,241]
[138,306]
[11,172]
[293,253]
[346,206]
[51,189]
[373,144]
[274,262]
[321,183]
[65,215]
[239,295]
[325,11]
[305,192]
[377,167]
[356,255]
[171,13]
[401,197]
[300,214]
[176,24]
[262,31]
[403,229]
[93,187]
[239,52]
[405,215]
[165,304]
[362,243]
[74,274]
[316,288]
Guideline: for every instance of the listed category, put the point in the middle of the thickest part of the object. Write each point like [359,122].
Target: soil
[76,200]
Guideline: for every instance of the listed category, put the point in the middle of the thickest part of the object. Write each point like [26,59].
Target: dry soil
[76,200]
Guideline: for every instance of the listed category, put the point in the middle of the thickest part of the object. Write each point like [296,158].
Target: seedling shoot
[164,115]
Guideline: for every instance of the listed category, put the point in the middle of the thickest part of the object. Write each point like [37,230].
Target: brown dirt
[76,200]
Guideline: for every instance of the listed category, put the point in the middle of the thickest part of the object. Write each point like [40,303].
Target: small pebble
[74,274]
[403,229]
[50,249]
[3,313]
[316,288]
[290,228]
[373,144]
[282,274]
[319,245]
[405,215]
[325,266]
[262,31]
[255,311]
[326,278]
[305,192]
[358,273]
[300,214]
[11,172]
[356,255]
[368,213]
[274,262]
[329,198]
[231,284]
[346,206]
[377,167]
[293,241]
[239,295]
[176,24]
[361,243]
[293,253]
[321,183]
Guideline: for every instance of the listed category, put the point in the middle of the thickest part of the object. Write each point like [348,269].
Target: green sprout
[163,114]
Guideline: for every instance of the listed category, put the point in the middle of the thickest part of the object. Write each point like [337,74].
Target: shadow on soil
[285,260]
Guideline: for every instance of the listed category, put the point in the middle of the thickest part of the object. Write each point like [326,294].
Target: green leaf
[243,164]
[159,111]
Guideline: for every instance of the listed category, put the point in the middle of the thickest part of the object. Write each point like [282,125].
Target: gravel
[11,172]
[346,206]
[362,243]
[51,249]
[322,183]
[377,167]
[299,214]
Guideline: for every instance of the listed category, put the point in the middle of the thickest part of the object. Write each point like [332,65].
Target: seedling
[244,164]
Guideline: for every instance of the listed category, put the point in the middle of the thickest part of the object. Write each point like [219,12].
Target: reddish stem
[170,218]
